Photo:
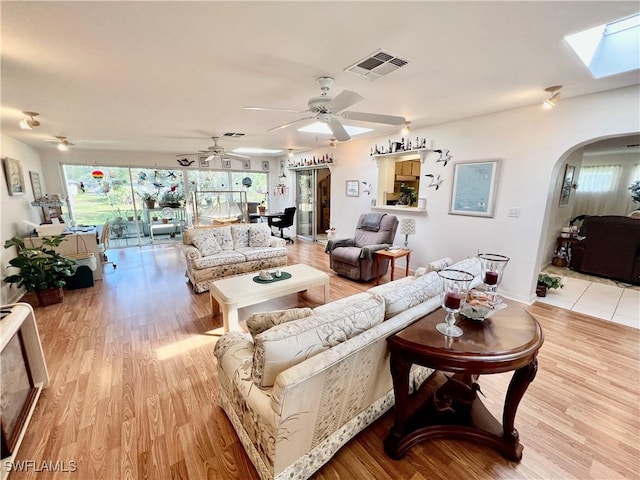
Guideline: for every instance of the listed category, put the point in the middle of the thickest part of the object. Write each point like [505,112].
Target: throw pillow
[259,236]
[240,235]
[207,244]
[261,322]
[284,346]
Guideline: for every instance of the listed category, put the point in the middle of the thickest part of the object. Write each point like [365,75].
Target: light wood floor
[133,390]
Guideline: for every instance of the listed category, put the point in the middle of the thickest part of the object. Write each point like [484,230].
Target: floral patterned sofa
[303,382]
[216,252]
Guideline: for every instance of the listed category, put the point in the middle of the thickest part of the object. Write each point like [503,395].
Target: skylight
[321,127]
[611,48]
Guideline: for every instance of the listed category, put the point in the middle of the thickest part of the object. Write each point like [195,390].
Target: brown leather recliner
[610,249]
[354,257]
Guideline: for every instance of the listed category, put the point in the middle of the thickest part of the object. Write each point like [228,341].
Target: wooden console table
[448,405]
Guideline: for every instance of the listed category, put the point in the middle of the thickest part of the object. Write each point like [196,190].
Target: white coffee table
[230,294]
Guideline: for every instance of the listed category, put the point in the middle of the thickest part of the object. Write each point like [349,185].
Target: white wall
[533,145]
[17,208]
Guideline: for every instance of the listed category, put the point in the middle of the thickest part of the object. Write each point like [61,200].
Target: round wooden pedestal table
[447,404]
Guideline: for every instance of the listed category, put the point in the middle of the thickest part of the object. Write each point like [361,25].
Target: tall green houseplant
[42,270]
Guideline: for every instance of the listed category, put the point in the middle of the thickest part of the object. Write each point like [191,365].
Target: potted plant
[42,270]
[407,195]
[635,191]
[149,199]
[545,282]
[172,198]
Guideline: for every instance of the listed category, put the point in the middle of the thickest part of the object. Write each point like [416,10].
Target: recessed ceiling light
[255,150]
[321,127]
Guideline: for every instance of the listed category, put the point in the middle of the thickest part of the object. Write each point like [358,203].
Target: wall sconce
[290,153]
[552,101]
[407,227]
[29,123]
[406,129]
[333,143]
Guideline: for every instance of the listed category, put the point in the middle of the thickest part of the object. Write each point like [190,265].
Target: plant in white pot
[42,270]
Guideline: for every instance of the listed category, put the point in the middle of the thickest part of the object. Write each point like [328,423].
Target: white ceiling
[166,76]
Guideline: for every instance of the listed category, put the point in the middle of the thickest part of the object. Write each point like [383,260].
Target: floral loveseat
[216,252]
[298,391]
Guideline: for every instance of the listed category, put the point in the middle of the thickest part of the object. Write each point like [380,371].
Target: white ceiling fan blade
[338,130]
[274,109]
[284,125]
[237,156]
[345,99]
[374,118]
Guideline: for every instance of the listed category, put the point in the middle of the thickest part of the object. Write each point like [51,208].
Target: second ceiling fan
[216,150]
[328,110]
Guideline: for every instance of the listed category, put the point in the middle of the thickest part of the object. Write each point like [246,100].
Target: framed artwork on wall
[226,163]
[565,192]
[247,165]
[353,188]
[474,188]
[265,165]
[35,185]
[202,162]
[13,173]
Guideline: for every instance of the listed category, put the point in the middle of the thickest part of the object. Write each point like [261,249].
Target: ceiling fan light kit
[328,109]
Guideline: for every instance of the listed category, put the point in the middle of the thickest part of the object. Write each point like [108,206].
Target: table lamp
[407,227]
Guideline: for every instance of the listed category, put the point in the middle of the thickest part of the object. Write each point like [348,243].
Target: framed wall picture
[567,182]
[246,164]
[13,173]
[202,162]
[35,185]
[353,188]
[474,188]
[226,163]
[265,165]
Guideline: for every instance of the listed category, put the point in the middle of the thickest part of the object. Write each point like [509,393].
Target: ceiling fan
[216,150]
[328,110]
[62,142]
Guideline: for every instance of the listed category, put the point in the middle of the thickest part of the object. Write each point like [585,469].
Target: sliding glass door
[313,202]
[136,202]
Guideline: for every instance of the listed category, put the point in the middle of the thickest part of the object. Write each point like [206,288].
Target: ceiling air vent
[377,65]
[233,134]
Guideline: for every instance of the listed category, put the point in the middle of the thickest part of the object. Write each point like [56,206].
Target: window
[599,178]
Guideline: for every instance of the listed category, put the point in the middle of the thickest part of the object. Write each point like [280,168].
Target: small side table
[392,255]
[567,243]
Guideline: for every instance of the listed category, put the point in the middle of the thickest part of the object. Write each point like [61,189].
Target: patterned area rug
[566,272]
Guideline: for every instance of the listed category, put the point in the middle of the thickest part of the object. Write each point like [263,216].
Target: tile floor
[608,302]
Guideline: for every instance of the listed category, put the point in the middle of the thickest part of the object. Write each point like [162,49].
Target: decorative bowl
[480,312]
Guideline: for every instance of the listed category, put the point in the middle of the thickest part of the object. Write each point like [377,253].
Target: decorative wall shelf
[313,167]
[403,154]
[400,209]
